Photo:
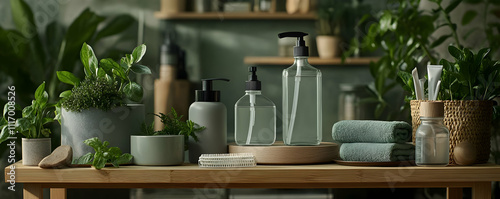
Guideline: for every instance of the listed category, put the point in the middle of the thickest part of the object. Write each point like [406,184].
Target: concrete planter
[158,150]
[114,126]
[34,150]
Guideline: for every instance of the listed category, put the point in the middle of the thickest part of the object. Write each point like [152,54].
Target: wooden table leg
[32,191]
[481,190]
[57,193]
[454,193]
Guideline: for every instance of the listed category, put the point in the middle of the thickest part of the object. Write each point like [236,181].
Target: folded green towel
[350,131]
[377,152]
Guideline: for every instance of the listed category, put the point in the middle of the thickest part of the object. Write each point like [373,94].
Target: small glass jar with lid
[432,145]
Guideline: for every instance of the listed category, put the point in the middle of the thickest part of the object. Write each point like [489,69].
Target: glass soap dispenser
[254,115]
[432,137]
[302,103]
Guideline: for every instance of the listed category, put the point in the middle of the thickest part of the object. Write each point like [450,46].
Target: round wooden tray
[376,164]
[278,153]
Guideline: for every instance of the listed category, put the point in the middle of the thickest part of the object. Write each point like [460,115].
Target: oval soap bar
[464,153]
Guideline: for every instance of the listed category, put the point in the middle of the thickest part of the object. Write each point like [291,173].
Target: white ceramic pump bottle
[209,112]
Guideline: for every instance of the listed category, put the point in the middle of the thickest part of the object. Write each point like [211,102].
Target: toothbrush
[422,85]
[416,83]
[437,88]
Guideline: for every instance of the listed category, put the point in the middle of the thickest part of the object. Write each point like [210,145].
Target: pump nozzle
[253,83]
[207,94]
[300,48]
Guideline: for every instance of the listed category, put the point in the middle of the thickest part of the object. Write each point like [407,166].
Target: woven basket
[467,120]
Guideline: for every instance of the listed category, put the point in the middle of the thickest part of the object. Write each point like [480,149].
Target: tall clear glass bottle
[255,115]
[302,103]
[432,141]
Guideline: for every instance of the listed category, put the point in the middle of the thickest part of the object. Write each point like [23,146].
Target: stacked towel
[373,141]
[376,152]
[350,131]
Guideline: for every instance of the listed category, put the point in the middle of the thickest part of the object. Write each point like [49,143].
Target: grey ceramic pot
[114,126]
[158,150]
[34,150]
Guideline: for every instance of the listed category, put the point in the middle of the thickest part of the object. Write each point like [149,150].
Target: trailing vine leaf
[440,40]
[468,17]
[452,6]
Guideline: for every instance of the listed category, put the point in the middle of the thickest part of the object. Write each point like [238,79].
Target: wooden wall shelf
[235,16]
[312,61]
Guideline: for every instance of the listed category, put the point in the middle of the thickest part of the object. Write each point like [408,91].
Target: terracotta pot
[34,150]
[328,46]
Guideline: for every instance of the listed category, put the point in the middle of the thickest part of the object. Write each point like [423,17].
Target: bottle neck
[432,120]
[253,92]
[301,61]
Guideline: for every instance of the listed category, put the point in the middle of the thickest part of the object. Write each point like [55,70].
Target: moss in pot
[36,142]
[167,146]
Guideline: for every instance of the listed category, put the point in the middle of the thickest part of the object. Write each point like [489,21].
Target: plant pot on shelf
[158,149]
[173,6]
[34,150]
[467,120]
[328,46]
[115,126]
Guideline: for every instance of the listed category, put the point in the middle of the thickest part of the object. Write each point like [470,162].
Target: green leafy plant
[103,155]
[37,54]
[471,76]
[174,126]
[330,17]
[34,117]
[106,84]
[404,34]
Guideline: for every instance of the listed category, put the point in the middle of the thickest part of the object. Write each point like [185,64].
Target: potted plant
[167,146]
[36,142]
[468,86]
[328,29]
[405,33]
[101,104]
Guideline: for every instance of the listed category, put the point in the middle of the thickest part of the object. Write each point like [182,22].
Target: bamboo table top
[272,176]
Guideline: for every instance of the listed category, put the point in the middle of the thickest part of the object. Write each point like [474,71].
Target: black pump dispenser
[253,83]
[300,49]
[207,94]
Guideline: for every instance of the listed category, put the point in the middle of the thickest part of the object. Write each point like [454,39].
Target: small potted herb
[36,141]
[328,28]
[103,104]
[167,146]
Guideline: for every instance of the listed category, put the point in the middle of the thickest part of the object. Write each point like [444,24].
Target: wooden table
[303,176]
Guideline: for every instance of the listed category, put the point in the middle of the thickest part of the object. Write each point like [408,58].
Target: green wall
[217,48]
